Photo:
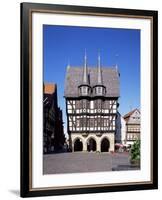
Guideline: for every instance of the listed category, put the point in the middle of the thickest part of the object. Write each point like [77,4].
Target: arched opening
[91,145]
[105,145]
[78,145]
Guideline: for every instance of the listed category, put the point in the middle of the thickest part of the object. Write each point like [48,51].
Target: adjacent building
[53,135]
[120,134]
[128,128]
[91,95]
[132,120]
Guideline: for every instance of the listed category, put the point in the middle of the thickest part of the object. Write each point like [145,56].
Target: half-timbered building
[133,121]
[91,95]
[53,134]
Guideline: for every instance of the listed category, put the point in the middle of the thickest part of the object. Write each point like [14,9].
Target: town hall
[91,95]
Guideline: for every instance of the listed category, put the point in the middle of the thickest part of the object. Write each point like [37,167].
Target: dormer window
[84,90]
[99,91]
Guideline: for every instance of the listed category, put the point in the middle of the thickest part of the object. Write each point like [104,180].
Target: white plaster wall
[123,130]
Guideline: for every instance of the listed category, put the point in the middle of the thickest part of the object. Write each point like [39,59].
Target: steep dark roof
[74,76]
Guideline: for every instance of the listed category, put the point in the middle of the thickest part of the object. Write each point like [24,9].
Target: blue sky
[66,44]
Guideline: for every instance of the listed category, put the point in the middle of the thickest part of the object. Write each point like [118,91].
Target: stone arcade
[91,95]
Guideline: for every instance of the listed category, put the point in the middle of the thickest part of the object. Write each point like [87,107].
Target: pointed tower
[99,88]
[84,87]
[85,71]
[99,73]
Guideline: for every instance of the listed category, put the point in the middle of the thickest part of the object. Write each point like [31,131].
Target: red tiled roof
[49,88]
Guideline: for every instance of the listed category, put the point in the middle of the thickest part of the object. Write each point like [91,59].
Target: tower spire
[99,74]
[85,71]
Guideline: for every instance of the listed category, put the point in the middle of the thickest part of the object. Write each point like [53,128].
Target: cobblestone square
[78,162]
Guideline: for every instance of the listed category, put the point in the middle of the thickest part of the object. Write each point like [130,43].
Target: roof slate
[110,76]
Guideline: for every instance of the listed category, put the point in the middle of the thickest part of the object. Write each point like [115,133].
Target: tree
[135,150]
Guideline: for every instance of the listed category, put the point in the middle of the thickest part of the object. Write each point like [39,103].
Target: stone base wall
[97,137]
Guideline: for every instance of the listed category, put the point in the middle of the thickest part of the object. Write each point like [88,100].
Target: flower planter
[135,163]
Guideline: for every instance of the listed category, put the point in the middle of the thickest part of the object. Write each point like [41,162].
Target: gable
[135,117]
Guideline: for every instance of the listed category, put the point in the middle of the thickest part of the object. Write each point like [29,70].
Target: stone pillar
[98,145]
[72,146]
[111,139]
[84,145]
[70,143]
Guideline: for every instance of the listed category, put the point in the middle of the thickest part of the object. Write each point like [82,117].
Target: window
[105,122]
[78,104]
[84,122]
[77,122]
[84,104]
[87,122]
[95,104]
[88,104]
[99,122]
[99,104]
[95,122]
[91,122]
[106,104]
[84,90]
[81,122]
[99,90]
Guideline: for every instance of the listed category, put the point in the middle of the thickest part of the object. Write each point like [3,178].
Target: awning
[119,145]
